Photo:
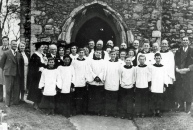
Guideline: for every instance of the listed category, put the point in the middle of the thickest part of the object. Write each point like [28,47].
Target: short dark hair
[67,56]
[51,58]
[5,37]
[13,41]
[142,56]
[157,54]
[80,49]
[112,51]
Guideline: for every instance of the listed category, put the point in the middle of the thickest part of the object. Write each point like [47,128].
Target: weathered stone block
[36,29]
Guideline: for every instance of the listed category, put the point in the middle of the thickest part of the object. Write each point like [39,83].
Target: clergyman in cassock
[169,64]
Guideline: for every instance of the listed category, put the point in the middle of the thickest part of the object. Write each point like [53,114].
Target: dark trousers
[168,99]
[111,98]
[12,84]
[141,100]
[81,100]
[96,99]
[1,93]
[125,101]
[157,101]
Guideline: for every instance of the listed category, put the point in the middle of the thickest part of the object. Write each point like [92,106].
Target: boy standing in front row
[126,91]
[81,72]
[158,85]
[112,79]
[142,87]
[50,79]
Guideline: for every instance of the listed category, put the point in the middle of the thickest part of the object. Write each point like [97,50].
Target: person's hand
[72,88]
[45,60]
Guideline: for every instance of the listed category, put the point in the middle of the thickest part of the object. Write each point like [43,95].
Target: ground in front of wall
[24,117]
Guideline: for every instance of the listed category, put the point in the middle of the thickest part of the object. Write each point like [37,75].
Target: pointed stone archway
[97,9]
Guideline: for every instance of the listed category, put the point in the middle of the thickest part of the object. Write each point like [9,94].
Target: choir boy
[96,84]
[112,80]
[81,72]
[146,51]
[143,79]
[126,91]
[49,81]
[73,50]
[158,85]
[123,54]
[64,99]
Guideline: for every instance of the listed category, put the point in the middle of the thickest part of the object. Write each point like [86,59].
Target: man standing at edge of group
[3,48]
[184,75]
[12,63]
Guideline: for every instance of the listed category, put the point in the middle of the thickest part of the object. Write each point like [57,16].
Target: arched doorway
[95,29]
[82,16]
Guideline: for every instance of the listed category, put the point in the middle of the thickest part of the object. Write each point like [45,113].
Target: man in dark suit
[12,63]
[184,76]
[53,54]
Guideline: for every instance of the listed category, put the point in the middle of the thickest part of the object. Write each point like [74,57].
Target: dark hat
[38,44]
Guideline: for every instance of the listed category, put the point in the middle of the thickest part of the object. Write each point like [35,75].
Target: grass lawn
[26,118]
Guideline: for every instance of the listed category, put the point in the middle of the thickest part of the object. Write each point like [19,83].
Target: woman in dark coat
[36,64]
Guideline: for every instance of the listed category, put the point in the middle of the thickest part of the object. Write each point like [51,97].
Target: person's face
[113,55]
[86,50]
[98,54]
[14,45]
[45,49]
[158,59]
[146,46]
[123,46]
[136,45]
[5,42]
[142,60]
[22,47]
[51,63]
[41,49]
[61,52]
[99,46]
[131,54]
[164,46]
[53,50]
[185,42]
[67,61]
[122,55]
[108,50]
[68,51]
[110,43]
[81,53]
[155,47]
[128,61]
[91,44]
[73,49]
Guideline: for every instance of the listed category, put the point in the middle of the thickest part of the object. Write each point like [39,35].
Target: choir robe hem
[125,101]
[96,99]
[64,102]
[111,98]
[47,102]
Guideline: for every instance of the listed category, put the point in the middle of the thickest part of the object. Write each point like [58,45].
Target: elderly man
[3,48]
[12,64]
[99,46]
[52,53]
[123,46]
[110,43]
[184,75]
[169,63]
